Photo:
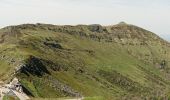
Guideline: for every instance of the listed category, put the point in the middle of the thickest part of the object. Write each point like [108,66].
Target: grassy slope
[93,68]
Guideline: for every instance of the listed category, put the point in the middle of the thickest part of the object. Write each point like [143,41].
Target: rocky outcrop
[35,67]
[59,86]
[95,28]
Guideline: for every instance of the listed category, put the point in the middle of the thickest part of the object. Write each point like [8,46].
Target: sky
[152,15]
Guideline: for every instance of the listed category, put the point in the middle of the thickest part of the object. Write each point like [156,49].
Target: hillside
[105,62]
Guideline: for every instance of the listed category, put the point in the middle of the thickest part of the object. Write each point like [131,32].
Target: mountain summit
[120,61]
[122,23]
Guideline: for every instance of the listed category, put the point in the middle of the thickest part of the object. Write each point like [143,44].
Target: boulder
[96,28]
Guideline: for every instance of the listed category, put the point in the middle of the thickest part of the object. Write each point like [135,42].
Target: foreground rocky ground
[13,89]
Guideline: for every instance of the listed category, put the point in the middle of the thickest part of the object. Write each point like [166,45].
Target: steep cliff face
[107,62]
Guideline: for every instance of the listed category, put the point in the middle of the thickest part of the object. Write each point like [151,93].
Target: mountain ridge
[109,62]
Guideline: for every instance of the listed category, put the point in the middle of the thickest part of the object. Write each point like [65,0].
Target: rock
[122,23]
[96,28]
[53,45]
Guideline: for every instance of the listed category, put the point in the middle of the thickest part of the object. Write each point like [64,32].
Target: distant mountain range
[165,36]
[117,62]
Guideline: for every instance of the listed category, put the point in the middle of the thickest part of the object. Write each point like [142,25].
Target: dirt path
[76,99]
[21,96]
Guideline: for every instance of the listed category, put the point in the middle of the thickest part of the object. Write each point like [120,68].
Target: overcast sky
[150,14]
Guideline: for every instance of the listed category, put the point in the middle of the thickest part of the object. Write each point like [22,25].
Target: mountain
[165,36]
[120,61]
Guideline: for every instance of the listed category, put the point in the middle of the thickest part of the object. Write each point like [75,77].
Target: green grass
[10,98]
[84,58]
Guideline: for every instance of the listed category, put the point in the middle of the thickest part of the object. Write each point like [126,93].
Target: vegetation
[10,98]
[96,62]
